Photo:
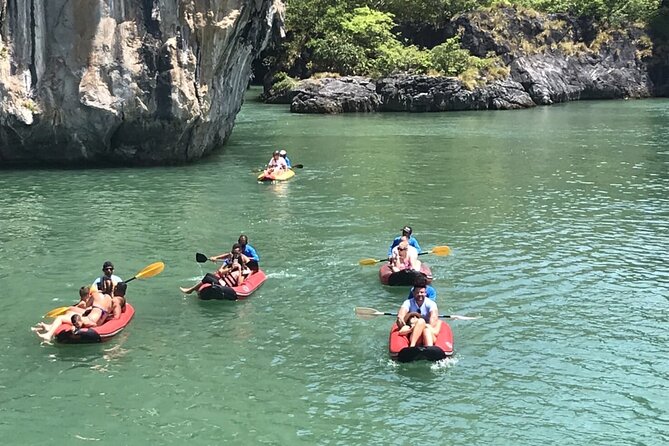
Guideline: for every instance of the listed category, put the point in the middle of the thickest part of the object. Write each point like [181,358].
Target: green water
[558,218]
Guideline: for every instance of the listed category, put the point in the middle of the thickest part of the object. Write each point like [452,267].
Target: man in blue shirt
[284,155]
[406,231]
[249,252]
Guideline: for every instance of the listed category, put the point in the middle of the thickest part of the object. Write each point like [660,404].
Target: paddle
[438,250]
[201,258]
[152,270]
[369,313]
[294,166]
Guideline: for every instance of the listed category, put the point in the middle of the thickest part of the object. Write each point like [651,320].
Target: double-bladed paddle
[152,270]
[437,250]
[369,313]
[295,166]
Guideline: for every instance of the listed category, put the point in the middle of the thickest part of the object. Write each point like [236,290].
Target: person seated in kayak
[249,251]
[406,232]
[106,283]
[426,329]
[232,273]
[118,300]
[235,267]
[421,280]
[276,164]
[96,313]
[284,155]
[411,251]
[401,259]
[85,301]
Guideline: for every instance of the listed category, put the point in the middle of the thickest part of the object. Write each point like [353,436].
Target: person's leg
[48,335]
[417,332]
[191,289]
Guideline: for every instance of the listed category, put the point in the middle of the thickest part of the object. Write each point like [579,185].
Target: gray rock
[335,95]
[122,81]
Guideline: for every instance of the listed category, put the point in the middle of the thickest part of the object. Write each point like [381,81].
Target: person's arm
[253,253]
[434,315]
[401,314]
[413,242]
[220,256]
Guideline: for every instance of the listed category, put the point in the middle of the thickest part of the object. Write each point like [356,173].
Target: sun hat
[283,153]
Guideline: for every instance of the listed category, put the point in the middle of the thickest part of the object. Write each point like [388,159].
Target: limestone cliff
[124,81]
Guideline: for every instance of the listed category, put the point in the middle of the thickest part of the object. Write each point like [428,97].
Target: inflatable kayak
[405,277]
[398,346]
[207,291]
[281,176]
[102,333]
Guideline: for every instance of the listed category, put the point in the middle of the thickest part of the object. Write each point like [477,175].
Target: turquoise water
[557,218]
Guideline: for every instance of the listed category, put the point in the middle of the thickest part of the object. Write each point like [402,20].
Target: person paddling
[276,164]
[406,232]
[249,251]
[106,283]
[284,155]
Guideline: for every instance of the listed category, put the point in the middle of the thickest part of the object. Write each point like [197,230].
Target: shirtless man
[98,307]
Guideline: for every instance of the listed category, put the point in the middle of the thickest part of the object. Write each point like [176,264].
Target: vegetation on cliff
[380,37]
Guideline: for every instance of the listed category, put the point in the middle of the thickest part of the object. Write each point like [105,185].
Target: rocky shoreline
[550,59]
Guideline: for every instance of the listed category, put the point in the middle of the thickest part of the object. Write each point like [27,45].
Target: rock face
[124,81]
[550,58]
[335,95]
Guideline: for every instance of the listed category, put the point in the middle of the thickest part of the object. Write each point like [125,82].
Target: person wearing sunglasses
[107,281]
[406,232]
[403,257]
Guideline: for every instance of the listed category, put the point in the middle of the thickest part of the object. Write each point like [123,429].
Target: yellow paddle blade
[441,250]
[152,270]
[57,312]
[369,261]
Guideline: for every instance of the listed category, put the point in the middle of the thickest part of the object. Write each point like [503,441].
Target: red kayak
[405,277]
[398,345]
[220,291]
[104,332]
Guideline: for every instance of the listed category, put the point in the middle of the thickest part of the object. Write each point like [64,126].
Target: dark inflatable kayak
[104,332]
[207,291]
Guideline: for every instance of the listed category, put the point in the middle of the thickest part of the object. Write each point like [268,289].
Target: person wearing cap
[107,281]
[406,232]
[284,155]
[276,164]
[426,329]
[404,257]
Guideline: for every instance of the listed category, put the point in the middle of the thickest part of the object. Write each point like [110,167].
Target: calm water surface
[558,218]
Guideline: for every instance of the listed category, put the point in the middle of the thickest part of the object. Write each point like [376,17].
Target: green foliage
[361,42]
[429,12]
[613,11]
[449,58]
[281,83]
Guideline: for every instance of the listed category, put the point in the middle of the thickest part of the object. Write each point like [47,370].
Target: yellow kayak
[281,176]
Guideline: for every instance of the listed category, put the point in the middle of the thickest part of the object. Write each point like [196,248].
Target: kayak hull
[207,291]
[405,277]
[104,332]
[281,176]
[398,346]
